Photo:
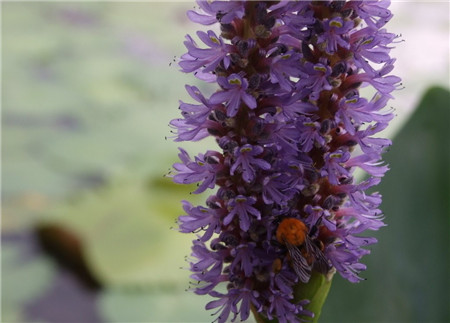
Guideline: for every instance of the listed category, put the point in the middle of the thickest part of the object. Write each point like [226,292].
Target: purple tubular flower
[247,163]
[292,128]
[203,169]
[274,188]
[199,217]
[234,92]
[283,67]
[217,11]
[309,134]
[334,166]
[194,125]
[317,78]
[355,111]
[334,33]
[365,45]
[242,207]
[206,59]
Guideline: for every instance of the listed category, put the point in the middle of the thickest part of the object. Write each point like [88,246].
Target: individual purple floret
[291,127]
[234,94]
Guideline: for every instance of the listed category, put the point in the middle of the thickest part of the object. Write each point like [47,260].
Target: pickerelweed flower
[292,127]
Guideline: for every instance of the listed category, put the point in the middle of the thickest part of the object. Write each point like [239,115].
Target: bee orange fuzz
[292,231]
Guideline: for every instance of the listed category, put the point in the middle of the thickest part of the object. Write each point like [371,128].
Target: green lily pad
[87,97]
[127,230]
[153,306]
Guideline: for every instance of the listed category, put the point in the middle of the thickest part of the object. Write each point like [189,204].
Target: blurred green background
[88,90]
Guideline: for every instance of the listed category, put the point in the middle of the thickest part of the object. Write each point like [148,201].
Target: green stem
[316,291]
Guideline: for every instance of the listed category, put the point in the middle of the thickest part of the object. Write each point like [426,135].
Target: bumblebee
[305,253]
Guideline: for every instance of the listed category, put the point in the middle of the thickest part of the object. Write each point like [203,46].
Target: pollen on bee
[292,231]
[277,265]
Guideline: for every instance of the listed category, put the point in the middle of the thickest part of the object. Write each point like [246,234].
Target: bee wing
[299,263]
[320,261]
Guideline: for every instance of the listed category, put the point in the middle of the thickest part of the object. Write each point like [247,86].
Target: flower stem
[316,290]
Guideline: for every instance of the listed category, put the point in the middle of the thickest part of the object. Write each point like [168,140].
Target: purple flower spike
[292,127]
